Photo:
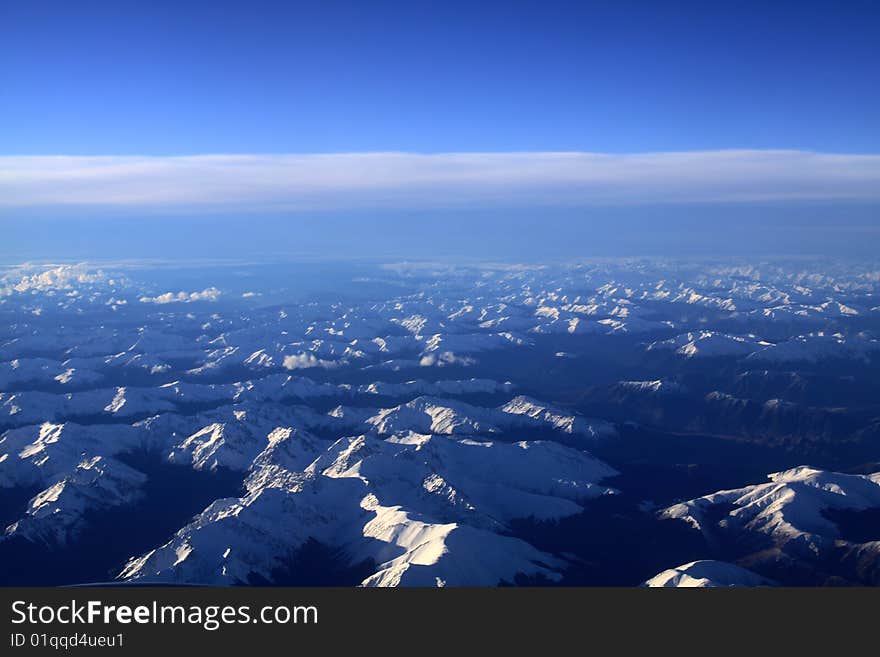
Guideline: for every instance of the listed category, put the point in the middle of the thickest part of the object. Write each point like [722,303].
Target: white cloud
[340,181]
[305,361]
[446,358]
[208,294]
[30,278]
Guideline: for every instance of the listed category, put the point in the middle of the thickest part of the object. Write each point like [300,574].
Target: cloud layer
[208,294]
[408,180]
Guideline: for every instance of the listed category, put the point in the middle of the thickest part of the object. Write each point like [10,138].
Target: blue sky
[133,77]
[165,79]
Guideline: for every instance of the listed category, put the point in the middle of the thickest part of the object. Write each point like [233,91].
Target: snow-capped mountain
[707,344]
[431,424]
[426,510]
[706,574]
[797,518]
[55,514]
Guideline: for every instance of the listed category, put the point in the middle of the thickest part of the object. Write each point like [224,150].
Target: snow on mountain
[471,342]
[790,511]
[635,325]
[818,346]
[259,348]
[27,370]
[425,487]
[78,377]
[31,407]
[151,363]
[229,436]
[55,515]
[553,321]
[443,387]
[43,371]
[396,365]
[533,412]
[282,386]
[261,358]
[707,574]
[221,444]
[834,308]
[62,343]
[288,452]
[38,454]
[508,323]
[160,342]
[234,539]
[541,479]
[426,415]
[422,510]
[692,297]
[806,312]
[446,555]
[569,325]
[432,415]
[656,387]
[710,344]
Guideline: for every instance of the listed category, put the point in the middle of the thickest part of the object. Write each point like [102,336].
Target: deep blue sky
[137,77]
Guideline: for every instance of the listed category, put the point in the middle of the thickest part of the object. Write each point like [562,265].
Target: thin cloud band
[412,180]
